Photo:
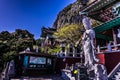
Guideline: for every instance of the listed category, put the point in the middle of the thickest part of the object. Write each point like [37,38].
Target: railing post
[114,39]
[98,49]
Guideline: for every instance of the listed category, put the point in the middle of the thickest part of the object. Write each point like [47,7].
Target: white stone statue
[88,43]
[95,71]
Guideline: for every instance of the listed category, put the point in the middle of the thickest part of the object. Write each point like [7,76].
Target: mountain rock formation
[69,14]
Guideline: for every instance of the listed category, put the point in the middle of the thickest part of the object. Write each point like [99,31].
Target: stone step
[113,79]
[119,69]
[118,73]
[117,77]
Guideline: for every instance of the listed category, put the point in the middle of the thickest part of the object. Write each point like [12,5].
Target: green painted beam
[104,37]
[108,25]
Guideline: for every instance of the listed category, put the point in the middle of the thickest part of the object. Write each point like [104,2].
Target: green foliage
[5,35]
[54,50]
[39,41]
[13,43]
[68,33]
[9,56]
[22,34]
[42,50]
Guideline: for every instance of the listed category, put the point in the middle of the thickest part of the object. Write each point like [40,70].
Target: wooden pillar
[114,39]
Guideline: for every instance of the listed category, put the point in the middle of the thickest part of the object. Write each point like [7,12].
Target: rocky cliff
[69,14]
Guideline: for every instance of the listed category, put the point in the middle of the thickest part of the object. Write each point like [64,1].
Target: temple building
[49,40]
[108,12]
[107,34]
[29,63]
[47,34]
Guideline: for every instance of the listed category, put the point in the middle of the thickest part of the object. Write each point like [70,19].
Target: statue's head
[86,23]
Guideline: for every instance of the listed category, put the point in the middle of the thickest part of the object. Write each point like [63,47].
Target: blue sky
[29,14]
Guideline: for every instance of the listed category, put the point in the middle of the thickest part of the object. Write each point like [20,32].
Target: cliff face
[69,14]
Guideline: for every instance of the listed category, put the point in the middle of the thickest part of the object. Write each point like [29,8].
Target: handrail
[111,46]
[105,47]
[115,69]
